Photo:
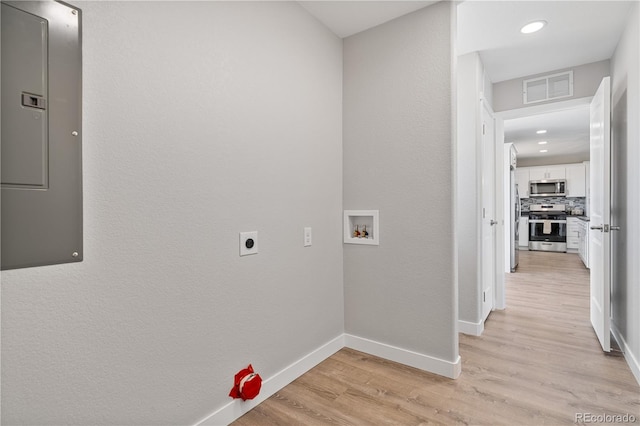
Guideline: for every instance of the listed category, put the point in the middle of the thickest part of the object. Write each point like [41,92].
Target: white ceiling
[567,136]
[345,18]
[578,32]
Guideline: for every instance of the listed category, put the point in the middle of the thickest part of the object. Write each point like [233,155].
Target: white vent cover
[549,87]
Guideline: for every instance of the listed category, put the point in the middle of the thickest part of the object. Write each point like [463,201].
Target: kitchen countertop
[583,218]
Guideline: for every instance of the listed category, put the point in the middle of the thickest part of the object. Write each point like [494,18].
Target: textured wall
[201,120]
[470,81]
[507,94]
[398,156]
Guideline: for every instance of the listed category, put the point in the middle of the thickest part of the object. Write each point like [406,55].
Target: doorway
[552,144]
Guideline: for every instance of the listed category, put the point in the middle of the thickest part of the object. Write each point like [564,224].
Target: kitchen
[549,174]
[556,222]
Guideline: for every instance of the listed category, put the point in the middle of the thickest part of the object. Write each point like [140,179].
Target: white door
[488,211]
[599,237]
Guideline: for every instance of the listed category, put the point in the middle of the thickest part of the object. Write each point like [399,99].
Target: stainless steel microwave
[548,188]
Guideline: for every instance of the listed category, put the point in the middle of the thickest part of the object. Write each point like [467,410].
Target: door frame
[495,261]
[502,196]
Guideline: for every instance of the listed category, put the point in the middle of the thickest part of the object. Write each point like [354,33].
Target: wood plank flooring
[537,362]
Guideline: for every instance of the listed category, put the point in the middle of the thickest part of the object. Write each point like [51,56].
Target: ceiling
[577,32]
[567,137]
[345,18]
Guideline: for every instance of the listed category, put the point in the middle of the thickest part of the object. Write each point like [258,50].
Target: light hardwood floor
[537,362]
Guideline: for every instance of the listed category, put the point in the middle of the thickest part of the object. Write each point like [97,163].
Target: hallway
[537,362]
[540,357]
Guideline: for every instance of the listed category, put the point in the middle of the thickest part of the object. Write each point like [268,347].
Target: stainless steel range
[548,227]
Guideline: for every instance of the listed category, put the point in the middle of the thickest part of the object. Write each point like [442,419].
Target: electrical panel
[41,118]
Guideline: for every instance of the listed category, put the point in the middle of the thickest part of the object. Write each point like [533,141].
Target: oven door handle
[543,221]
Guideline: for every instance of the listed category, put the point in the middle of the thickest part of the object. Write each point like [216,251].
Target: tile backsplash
[577,202]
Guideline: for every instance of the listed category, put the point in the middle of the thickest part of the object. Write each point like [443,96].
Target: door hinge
[484,129]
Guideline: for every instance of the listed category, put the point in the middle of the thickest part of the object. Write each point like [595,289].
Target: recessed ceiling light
[541,132]
[533,27]
[542,143]
[544,150]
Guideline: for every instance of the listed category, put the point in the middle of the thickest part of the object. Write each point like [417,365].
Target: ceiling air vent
[546,88]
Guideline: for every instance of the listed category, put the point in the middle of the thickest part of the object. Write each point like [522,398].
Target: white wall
[201,120]
[468,189]
[398,158]
[625,67]
[487,86]
[472,84]
[507,95]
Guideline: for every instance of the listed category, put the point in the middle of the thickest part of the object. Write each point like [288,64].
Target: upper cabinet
[547,172]
[576,180]
[522,180]
[576,175]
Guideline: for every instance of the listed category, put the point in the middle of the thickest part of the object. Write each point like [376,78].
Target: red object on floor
[246,384]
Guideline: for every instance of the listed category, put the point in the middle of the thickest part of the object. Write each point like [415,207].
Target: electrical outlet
[248,243]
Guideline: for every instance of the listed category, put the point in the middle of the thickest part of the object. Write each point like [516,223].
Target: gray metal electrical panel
[41,134]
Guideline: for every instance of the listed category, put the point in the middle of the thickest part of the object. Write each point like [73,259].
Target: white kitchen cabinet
[556,172]
[522,180]
[537,173]
[573,233]
[583,246]
[523,232]
[577,176]
[576,180]
[547,172]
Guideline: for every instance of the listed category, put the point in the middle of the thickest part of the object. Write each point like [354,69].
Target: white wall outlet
[248,243]
[307,237]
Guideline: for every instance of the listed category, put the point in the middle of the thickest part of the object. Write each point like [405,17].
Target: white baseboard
[629,356]
[472,328]
[404,356]
[236,408]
